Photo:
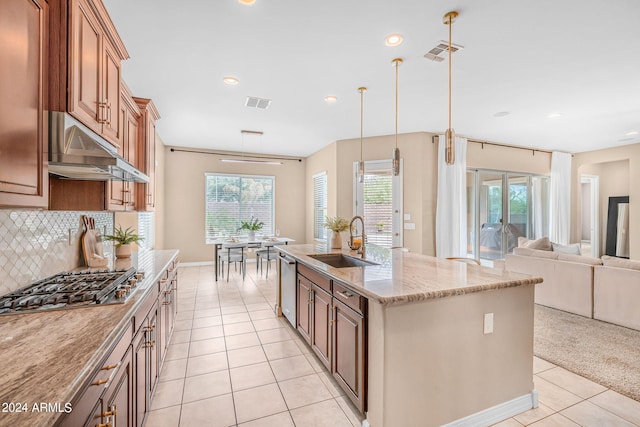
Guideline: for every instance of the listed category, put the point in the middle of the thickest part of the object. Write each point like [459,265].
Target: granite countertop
[47,356]
[404,277]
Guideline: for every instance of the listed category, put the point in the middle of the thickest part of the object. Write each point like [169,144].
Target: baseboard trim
[499,412]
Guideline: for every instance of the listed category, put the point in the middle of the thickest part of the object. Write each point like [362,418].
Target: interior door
[379,201]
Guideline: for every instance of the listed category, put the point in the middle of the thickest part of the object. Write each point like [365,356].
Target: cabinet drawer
[350,298]
[319,279]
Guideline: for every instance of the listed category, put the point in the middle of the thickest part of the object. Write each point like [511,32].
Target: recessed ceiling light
[247,2]
[330,99]
[632,133]
[555,115]
[501,114]
[393,40]
[230,80]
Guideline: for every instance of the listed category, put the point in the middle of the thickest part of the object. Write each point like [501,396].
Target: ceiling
[580,58]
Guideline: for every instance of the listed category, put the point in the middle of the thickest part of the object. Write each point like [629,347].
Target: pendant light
[362,90]
[450,135]
[396,151]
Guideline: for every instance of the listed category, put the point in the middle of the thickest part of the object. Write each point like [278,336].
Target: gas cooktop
[72,290]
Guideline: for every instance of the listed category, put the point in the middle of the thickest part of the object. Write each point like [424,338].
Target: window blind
[230,199]
[319,205]
[378,207]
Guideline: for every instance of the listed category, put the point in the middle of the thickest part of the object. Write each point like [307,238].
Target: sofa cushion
[542,243]
[572,249]
[545,254]
[611,261]
[579,258]
[523,251]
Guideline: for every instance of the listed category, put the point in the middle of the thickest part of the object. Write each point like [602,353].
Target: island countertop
[404,277]
[45,357]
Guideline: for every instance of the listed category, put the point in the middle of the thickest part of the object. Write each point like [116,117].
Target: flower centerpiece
[123,239]
[337,225]
[253,225]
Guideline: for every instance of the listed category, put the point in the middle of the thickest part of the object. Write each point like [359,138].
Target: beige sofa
[568,279]
[616,292]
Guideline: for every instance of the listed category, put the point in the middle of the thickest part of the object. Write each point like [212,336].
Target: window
[232,198]
[319,205]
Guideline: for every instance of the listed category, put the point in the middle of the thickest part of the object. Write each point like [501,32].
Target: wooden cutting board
[91,249]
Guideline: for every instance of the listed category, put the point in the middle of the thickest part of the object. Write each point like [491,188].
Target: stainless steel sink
[342,261]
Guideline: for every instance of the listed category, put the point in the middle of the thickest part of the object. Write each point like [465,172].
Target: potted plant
[379,226]
[337,225]
[253,225]
[123,239]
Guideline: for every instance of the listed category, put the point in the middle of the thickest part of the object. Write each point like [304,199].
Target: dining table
[258,242]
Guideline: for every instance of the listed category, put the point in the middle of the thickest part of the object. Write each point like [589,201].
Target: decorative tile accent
[37,244]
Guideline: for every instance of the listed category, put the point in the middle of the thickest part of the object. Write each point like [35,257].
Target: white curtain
[560,198]
[451,210]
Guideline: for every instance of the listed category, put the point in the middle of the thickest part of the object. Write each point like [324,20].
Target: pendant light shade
[450,135]
[362,90]
[396,151]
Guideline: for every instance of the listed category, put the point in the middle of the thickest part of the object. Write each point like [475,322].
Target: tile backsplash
[37,244]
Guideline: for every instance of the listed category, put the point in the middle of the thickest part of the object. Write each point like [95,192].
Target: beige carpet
[605,353]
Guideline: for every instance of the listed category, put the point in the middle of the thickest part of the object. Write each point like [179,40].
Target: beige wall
[185,191]
[613,182]
[321,161]
[160,194]
[629,154]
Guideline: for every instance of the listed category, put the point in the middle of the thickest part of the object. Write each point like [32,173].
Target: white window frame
[323,232]
[209,241]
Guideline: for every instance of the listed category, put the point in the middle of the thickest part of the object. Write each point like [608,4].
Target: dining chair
[267,253]
[232,253]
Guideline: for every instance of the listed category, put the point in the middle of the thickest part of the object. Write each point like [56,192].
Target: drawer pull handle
[103,425]
[100,382]
[345,295]
[110,413]
[110,367]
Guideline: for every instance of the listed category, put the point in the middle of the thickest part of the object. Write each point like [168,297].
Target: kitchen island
[445,342]
[48,358]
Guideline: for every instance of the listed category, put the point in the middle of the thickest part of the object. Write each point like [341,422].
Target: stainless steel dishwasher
[287,284]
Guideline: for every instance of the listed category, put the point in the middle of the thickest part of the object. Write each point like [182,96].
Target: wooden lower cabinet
[303,308]
[335,326]
[119,392]
[349,352]
[321,324]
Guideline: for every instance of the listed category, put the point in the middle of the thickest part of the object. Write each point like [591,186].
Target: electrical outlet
[488,323]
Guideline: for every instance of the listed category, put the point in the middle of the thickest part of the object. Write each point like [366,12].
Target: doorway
[379,201]
[590,229]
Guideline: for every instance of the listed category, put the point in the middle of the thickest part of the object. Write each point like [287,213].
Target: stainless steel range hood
[76,152]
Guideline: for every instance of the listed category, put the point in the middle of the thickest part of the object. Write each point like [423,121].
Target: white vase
[252,236]
[336,240]
[123,251]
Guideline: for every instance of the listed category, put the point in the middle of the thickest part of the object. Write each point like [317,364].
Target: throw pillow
[572,249]
[611,261]
[542,243]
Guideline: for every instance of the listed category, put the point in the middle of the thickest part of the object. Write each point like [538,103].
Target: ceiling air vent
[442,46]
[260,103]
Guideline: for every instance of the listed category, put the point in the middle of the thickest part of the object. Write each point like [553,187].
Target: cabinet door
[140,374]
[23,174]
[150,195]
[155,330]
[321,334]
[303,299]
[349,353]
[119,397]
[111,95]
[86,58]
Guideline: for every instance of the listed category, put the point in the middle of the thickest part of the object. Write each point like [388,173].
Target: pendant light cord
[361,118]
[397,64]
[450,25]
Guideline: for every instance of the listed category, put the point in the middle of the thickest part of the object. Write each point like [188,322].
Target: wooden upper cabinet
[145,193]
[23,128]
[85,66]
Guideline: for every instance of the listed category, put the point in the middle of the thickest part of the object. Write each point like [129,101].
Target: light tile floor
[231,362]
